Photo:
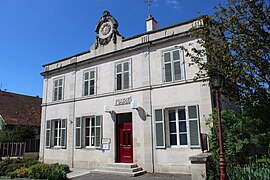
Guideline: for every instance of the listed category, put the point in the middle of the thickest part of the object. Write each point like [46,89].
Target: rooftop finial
[148,5]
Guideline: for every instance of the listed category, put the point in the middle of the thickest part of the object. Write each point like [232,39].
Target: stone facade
[148,85]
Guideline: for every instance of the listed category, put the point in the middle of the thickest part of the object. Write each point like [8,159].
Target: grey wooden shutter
[78,133]
[160,128]
[167,67]
[98,131]
[194,128]
[126,72]
[63,133]
[176,65]
[48,133]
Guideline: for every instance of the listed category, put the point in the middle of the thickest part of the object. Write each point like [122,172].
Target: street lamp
[216,82]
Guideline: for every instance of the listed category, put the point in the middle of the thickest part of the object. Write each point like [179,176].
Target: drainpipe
[151,107]
[74,118]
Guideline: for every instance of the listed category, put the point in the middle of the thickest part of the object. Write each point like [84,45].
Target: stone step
[129,169]
[122,165]
[132,174]
[107,168]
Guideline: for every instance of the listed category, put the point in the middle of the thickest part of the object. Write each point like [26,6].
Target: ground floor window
[177,127]
[56,133]
[88,131]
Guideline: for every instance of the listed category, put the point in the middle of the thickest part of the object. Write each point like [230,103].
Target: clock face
[105,30]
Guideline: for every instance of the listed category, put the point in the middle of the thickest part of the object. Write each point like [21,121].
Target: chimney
[151,24]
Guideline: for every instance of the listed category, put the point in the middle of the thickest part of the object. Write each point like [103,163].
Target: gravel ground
[147,176]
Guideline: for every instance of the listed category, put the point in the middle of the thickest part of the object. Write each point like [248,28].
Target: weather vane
[148,4]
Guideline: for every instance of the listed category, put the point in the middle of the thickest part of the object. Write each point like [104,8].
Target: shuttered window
[88,132]
[89,82]
[194,135]
[78,132]
[58,89]
[123,75]
[56,133]
[159,128]
[182,124]
[173,65]
[48,133]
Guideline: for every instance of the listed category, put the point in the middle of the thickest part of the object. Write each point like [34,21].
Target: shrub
[249,173]
[22,172]
[10,165]
[63,167]
[39,171]
[57,174]
[58,171]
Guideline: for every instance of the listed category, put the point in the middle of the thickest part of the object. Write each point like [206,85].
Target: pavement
[84,174]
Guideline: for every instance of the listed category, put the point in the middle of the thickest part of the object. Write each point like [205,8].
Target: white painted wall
[149,91]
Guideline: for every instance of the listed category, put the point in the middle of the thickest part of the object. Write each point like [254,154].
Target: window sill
[56,147]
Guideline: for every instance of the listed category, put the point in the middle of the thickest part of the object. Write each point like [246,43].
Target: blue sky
[37,32]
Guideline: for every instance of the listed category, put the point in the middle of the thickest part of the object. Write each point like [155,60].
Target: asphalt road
[147,176]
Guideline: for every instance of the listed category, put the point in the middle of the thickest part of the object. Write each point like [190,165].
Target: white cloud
[173,3]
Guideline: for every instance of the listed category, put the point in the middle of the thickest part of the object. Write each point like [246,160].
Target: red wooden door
[125,142]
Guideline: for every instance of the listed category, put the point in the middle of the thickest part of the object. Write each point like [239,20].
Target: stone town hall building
[129,100]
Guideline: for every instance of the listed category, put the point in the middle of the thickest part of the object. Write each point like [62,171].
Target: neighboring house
[126,100]
[19,110]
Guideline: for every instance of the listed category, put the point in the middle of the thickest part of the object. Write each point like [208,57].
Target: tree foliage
[236,42]
[242,147]
[17,133]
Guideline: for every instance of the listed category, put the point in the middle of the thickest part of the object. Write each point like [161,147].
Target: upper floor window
[123,75]
[58,89]
[173,65]
[89,82]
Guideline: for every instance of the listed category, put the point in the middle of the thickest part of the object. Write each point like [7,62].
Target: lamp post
[216,82]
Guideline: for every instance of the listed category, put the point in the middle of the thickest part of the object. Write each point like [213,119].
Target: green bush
[242,146]
[57,174]
[10,165]
[26,168]
[58,171]
[22,172]
[39,171]
[63,167]
[249,173]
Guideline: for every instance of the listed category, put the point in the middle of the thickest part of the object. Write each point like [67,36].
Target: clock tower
[106,30]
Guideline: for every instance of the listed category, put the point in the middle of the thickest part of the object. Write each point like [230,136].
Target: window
[182,125]
[173,66]
[89,82]
[58,89]
[123,75]
[56,133]
[88,131]
[177,127]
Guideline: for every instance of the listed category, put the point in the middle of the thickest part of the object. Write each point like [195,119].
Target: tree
[17,133]
[236,42]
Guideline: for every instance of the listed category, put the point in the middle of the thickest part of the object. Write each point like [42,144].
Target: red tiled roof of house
[17,109]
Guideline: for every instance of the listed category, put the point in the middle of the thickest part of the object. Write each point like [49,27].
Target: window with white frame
[88,132]
[177,127]
[173,65]
[123,75]
[56,133]
[89,82]
[58,88]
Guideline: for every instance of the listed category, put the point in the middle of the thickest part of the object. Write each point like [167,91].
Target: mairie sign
[123,101]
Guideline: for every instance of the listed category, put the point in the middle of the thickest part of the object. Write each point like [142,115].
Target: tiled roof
[17,109]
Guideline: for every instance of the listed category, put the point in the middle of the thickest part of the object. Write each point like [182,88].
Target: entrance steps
[128,169]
